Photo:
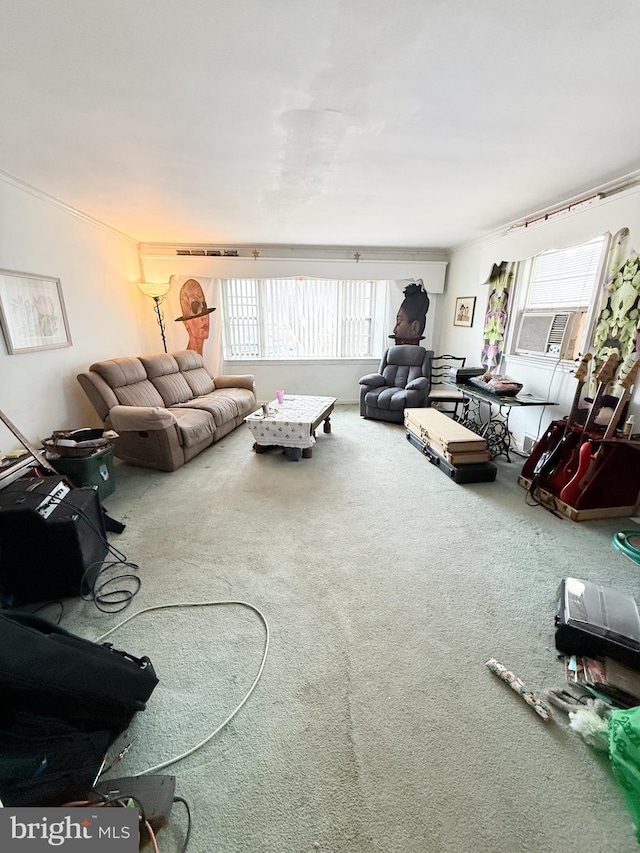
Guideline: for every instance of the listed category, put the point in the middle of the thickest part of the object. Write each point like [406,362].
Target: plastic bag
[624,752]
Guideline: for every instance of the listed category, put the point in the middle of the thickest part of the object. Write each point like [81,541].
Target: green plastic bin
[94,470]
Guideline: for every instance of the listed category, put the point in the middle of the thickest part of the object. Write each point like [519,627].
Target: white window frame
[262,289]
[521,304]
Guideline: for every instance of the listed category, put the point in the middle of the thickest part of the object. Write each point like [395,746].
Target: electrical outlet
[527,443]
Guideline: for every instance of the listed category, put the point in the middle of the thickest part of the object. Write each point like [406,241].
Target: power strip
[152,794]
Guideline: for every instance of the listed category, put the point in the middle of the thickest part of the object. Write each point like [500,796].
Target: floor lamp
[157,292]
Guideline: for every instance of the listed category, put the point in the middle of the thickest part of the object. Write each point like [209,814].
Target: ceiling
[421,123]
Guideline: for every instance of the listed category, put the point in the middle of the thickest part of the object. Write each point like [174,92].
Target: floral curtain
[618,327]
[500,282]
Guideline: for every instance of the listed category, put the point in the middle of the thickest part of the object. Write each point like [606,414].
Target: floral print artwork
[495,321]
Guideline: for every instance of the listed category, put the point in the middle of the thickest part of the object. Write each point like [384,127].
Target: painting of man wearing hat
[195,314]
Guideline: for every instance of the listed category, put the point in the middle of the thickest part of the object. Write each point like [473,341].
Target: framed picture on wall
[32,314]
[465,306]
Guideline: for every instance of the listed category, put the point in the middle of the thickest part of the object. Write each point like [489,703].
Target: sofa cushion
[196,374]
[194,426]
[164,373]
[390,398]
[244,399]
[220,404]
[140,418]
[128,380]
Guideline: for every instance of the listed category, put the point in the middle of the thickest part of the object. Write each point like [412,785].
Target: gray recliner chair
[402,382]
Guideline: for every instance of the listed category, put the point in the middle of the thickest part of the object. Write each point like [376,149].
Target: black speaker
[50,535]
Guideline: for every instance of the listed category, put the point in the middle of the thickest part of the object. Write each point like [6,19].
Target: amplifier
[50,535]
[464,374]
[597,621]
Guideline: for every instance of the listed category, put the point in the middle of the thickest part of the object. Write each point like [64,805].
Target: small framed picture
[465,306]
[32,315]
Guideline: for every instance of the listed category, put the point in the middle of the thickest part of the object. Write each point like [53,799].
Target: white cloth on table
[288,423]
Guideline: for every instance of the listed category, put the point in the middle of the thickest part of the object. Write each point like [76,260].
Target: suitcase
[471,472]
[450,439]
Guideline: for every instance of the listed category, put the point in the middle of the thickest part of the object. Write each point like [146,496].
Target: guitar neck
[580,376]
[39,457]
[627,384]
[605,377]
[576,403]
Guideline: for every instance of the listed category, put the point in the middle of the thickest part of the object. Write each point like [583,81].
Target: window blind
[565,278]
[297,318]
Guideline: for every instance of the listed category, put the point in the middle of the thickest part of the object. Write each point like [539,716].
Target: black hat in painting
[192,301]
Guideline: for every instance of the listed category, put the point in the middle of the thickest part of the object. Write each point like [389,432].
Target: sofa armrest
[241,381]
[141,418]
[419,384]
[373,380]
[99,393]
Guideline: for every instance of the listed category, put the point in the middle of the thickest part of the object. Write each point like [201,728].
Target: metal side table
[487,414]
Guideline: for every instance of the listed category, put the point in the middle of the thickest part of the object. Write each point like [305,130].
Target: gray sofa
[166,408]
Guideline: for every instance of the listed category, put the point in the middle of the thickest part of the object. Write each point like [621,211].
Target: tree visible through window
[297,318]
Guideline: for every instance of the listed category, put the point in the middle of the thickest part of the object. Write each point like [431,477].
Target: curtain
[500,282]
[618,326]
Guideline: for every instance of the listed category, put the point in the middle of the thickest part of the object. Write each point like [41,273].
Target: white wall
[97,269]
[470,265]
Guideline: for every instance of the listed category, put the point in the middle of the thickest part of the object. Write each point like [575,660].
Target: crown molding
[50,199]
[628,183]
[282,252]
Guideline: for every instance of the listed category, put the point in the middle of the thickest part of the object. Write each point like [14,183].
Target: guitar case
[470,472]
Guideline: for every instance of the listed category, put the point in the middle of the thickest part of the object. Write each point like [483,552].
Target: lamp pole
[157,292]
[156,307]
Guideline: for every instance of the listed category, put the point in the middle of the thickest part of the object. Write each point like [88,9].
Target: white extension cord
[219,728]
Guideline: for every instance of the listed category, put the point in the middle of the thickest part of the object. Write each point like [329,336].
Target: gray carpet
[375,727]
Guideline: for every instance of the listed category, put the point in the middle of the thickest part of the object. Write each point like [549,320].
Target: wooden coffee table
[292,423]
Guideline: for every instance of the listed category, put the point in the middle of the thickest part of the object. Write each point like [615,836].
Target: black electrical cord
[59,604]
[188,835]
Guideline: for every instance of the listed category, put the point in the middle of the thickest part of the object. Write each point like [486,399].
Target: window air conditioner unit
[547,334]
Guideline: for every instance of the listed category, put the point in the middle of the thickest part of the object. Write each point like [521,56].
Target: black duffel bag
[45,668]
[64,701]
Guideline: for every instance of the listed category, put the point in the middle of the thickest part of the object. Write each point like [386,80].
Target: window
[558,292]
[297,318]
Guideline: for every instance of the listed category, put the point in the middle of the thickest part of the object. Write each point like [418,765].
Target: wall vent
[210,253]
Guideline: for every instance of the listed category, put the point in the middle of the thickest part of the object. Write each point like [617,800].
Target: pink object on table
[280,396]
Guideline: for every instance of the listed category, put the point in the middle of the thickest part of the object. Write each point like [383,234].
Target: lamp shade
[154,289]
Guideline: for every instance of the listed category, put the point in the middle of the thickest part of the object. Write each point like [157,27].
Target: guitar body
[568,466]
[564,465]
[551,451]
[588,462]
[552,438]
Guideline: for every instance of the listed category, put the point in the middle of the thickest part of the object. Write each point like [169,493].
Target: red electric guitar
[559,435]
[589,460]
[567,466]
